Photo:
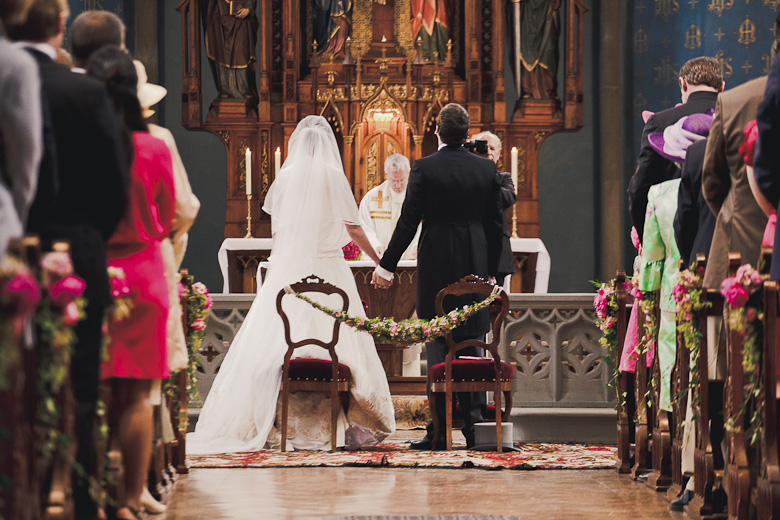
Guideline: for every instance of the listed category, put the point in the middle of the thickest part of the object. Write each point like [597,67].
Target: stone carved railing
[552,340]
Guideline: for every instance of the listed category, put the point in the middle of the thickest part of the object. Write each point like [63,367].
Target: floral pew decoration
[198,303]
[19,298]
[404,332]
[746,315]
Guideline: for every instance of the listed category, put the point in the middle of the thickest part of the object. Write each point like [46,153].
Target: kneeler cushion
[471,370]
[307,369]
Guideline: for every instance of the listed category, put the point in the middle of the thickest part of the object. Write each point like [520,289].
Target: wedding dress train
[309,202]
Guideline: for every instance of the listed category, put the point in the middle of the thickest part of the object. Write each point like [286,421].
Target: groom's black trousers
[471,404]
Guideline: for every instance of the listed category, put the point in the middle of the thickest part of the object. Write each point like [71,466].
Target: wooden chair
[644,413]
[472,375]
[737,466]
[679,393]
[314,375]
[707,395]
[768,479]
[624,382]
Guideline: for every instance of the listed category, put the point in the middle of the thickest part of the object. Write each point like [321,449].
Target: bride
[313,214]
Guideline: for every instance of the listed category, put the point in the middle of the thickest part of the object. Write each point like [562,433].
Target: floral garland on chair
[746,314]
[404,332]
[688,297]
[605,304]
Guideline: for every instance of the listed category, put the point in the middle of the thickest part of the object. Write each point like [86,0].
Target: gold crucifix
[379,199]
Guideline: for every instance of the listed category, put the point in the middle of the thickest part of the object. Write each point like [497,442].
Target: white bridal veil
[309,202]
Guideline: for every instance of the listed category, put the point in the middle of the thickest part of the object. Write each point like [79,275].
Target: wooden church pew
[661,442]
[707,405]
[679,393]
[624,383]
[768,478]
[737,466]
[18,499]
[644,412]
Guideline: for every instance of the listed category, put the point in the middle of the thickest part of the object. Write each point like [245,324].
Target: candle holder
[514,221]
[248,217]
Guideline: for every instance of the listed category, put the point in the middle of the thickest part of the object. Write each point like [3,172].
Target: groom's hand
[379,282]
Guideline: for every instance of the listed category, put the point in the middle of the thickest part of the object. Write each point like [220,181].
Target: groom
[455,194]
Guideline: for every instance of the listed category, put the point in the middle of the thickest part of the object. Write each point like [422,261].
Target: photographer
[507,199]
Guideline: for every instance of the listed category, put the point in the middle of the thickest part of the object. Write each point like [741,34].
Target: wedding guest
[90,31]
[507,199]
[92,170]
[20,127]
[694,223]
[700,80]
[137,352]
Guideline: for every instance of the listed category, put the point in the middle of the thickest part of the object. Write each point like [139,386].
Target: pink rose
[199,288]
[57,265]
[209,302]
[182,290]
[734,293]
[609,323]
[678,292]
[66,290]
[22,293]
[198,324]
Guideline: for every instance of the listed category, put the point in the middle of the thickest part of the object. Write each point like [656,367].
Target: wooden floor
[287,493]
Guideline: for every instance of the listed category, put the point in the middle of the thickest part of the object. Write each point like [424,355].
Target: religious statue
[332,25]
[431,22]
[230,28]
[534,26]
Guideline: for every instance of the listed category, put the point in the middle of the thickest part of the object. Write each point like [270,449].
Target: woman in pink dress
[137,352]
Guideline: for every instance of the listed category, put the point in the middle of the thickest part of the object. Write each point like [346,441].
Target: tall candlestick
[248,171]
[514,167]
[278,160]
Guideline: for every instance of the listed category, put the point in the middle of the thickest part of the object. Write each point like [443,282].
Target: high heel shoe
[150,504]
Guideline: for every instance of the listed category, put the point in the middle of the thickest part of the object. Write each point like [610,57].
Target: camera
[478,147]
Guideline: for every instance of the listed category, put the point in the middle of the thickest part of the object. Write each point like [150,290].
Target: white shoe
[150,504]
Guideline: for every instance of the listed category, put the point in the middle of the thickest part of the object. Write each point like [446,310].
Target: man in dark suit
[694,222]
[700,80]
[455,194]
[93,174]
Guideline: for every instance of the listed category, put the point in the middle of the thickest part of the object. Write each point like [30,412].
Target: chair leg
[285,403]
[434,418]
[335,405]
[448,420]
[499,422]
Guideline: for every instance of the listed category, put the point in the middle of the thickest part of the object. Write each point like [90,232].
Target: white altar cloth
[519,245]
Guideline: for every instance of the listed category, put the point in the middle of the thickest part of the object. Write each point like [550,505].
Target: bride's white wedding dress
[309,203]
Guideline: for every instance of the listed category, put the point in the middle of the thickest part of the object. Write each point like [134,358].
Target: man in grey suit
[20,129]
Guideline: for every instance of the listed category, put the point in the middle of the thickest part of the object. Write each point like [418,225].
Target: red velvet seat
[308,369]
[471,370]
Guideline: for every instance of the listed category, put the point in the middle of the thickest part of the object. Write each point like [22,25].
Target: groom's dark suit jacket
[455,195]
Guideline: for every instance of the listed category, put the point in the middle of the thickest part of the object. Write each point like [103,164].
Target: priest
[381,207]
[379,212]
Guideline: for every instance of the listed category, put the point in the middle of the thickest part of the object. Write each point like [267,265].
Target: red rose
[66,290]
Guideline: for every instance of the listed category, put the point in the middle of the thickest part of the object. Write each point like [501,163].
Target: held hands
[380,283]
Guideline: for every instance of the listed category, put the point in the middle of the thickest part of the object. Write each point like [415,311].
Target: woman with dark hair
[137,351]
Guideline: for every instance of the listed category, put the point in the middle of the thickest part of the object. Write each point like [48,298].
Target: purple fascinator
[674,141]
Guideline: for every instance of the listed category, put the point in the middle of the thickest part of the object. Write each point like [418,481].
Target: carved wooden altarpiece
[379,94]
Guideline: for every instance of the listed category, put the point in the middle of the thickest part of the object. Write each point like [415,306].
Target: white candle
[278,160]
[514,167]
[248,171]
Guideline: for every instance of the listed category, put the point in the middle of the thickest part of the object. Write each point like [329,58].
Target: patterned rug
[528,456]
[423,517]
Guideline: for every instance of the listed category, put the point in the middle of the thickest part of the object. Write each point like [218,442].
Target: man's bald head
[92,30]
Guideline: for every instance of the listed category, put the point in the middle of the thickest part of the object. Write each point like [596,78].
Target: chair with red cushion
[472,375]
[314,375]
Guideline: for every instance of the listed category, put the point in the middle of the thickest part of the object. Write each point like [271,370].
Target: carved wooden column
[499,101]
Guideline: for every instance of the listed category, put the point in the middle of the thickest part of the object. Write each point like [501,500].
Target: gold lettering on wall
[747,32]
[640,41]
[666,8]
[718,6]
[725,62]
[693,37]
[665,72]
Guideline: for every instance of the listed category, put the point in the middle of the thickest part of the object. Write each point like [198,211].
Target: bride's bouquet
[352,251]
